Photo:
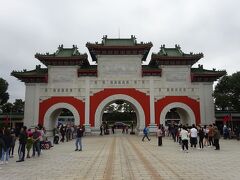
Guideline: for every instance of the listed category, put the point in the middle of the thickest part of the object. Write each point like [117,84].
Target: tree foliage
[4,96]
[227,93]
[16,107]
[119,111]
[119,108]
[7,107]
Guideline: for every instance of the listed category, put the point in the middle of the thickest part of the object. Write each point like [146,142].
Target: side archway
[184,111]
[70,102]
[55,110]
[190,105]
[137,107]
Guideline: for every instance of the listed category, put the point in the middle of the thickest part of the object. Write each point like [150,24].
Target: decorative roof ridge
[38,69]
[105,39]
[60,49]
[201,69]
[163,52]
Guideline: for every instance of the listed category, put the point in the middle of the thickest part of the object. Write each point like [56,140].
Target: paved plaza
[127,157]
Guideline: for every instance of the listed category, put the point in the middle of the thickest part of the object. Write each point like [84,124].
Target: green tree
[235,91]
[7,107]
[227,92]
[18,106]
[127,108]
[4,96]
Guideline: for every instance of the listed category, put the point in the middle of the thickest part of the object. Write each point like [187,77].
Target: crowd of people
[35,140]
[66,133]
[204,136]
[104,128]
[29,139]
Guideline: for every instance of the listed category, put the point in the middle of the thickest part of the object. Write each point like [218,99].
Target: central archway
[135,104]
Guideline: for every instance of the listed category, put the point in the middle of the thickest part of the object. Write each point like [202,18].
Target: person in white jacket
[184,136]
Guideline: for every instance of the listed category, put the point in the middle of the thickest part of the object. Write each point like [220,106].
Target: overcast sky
[30,26]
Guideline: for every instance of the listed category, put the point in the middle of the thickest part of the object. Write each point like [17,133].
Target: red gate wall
[140,97]
[192,103]
[46,104]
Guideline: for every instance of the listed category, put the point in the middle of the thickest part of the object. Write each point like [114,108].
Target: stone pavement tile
[132,159]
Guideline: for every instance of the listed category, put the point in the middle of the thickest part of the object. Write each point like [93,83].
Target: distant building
[167,82]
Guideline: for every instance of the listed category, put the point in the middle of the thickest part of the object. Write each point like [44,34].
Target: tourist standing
[145,133]
[11,150]
[238,132]
[22,144]
[225,132]
[63,132]
[193,136]
[2,144]
[201,137]
[184,136]
[179,137]
[210,135]
[206,130]
[216,136]
[56,132]
[68,132]
[79,136]
[101,129]
[36,141]
[126,130]
[159,135]
[113,128]
[123,129]
[7,138]
[29,142]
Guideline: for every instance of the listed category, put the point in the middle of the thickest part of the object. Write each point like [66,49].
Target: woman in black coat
[7,138]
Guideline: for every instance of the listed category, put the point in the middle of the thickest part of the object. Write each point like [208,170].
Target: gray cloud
[29,26]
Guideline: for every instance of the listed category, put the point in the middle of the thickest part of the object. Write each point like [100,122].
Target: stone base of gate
[152,129]
[87,129]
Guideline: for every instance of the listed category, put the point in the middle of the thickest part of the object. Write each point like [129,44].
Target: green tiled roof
[119,42]
[63,52]
[38,72]
[203,75]
[123,46]
[206,71]
[174,52]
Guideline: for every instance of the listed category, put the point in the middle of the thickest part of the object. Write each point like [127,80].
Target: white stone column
[152,107]
[152,125]
[87,105]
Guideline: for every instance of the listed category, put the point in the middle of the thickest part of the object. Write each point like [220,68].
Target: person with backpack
[145,133]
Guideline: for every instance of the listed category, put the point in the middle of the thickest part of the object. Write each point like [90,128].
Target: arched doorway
[181,113]
[50,117]
[140,116]
[120,114]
